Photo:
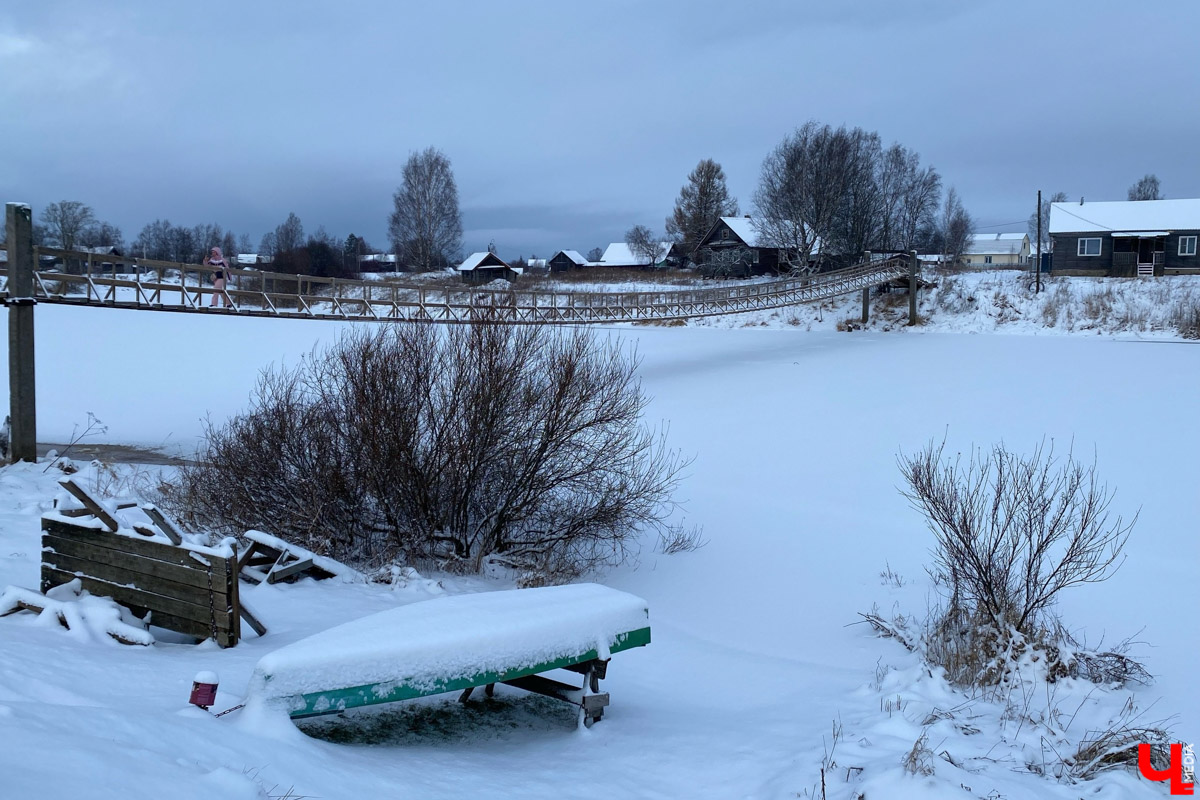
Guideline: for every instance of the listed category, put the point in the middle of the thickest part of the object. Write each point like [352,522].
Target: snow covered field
[754,661]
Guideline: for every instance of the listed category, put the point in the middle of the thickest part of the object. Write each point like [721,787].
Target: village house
[737,247]
[618,254]
[480,268]
[565,260]
[1125,238]
[997,250]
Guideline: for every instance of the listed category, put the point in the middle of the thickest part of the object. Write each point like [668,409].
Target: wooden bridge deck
[147,285]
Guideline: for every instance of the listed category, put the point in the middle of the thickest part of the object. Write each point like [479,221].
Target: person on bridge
[220,269]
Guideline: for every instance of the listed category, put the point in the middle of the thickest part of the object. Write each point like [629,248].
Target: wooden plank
[89,502]
[164,523]
[158,550]
[251,619]
[188,627]
[293,569]
[192,595]
[128,596]
[194,575]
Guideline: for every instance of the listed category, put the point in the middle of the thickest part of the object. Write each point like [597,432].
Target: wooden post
[1038,264]
[22,398]
[866,291]
[913,266]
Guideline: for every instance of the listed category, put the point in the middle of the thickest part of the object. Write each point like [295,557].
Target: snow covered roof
[386,258]
[996,243]
[574,256]
[247,258]
[746,230]
[1125,215]
[618,254]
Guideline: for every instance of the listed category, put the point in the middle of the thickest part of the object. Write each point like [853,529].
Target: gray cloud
[567,123]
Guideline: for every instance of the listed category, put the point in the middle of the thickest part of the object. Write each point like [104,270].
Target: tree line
[824,196]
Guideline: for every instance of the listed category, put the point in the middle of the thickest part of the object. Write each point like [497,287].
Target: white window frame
[1187,251]
[1081,247]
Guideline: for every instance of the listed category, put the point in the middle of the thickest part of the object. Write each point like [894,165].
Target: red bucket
[204,690]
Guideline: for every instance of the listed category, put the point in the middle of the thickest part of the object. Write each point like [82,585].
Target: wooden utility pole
[866,291]
[912,287]
[18,222]
[1037,281]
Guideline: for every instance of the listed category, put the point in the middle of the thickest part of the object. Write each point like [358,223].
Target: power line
[1004,224]
[1085,219]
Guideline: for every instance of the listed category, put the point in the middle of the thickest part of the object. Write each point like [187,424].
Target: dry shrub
[1011,533]
[1098,304]
[919,760]
[520,446]
[1117,748]
[1185,317]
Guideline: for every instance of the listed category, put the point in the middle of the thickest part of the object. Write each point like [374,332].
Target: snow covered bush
[521,446]
[1011,533]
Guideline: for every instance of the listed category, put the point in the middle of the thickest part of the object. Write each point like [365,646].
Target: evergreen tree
[702,201]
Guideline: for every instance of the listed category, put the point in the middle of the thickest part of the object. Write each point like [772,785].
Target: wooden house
[1125,238]
[480,268]
[997,250]
[565,260]
[618,254]
[737,247]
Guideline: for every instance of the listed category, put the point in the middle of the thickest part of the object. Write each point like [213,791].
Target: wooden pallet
[270,560]
[188,589]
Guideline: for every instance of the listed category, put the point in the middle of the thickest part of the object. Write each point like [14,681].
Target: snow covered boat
[457,644]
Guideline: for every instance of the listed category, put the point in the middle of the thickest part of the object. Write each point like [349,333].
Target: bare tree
[644,244]
[155,241]
[702,201]
[1146,189]
[1057,197]
[1012,532]
[859,219]
[800,190]
[244,245]
[956,225]
[102,234]
[468,445]
[66,221]
[425,225]
[923,188]
[595,254]
[725,262]
[267,245]
[289,235]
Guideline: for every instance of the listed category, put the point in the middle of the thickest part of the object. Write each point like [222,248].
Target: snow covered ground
[755,663]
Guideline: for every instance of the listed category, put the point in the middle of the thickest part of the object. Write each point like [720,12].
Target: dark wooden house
[1127,238]
[480,268]
[565,260]
[736,247]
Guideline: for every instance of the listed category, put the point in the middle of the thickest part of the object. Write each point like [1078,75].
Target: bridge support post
[913,268]
[18,223]
[866,315]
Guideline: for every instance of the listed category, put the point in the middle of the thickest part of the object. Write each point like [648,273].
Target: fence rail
[120,282]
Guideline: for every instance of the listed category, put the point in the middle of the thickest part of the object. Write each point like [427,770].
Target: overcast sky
[568,122]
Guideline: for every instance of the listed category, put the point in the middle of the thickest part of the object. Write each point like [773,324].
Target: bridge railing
[145,283]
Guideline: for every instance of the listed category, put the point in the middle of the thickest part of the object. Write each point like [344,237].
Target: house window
[987,259]
[1089,246]
[1187,245]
